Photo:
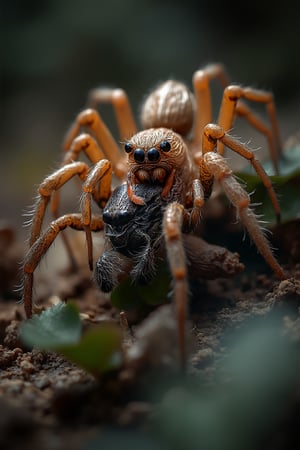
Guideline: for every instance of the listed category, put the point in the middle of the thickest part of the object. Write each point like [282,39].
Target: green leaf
[59,329]
[98,351]
[54,327]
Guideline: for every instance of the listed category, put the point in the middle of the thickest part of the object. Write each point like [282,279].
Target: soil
[48,402]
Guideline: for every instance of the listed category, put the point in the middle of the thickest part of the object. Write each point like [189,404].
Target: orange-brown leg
[91,120]
[201,82]
[82,143]
[120,102]
[98,186]
[52,183]
[198,202]
[214,133]
[232,104]
[42,244]
[177,218]
[172,224]
[217,166]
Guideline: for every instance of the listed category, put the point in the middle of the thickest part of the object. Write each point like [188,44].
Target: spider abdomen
[170,105]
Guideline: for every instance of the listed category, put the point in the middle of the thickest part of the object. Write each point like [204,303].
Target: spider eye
[139,155]
[128,147]
[165,146]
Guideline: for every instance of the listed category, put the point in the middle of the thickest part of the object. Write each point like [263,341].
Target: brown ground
[47,402]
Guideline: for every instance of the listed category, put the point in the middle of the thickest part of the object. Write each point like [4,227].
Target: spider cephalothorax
[167,172]
[160,156]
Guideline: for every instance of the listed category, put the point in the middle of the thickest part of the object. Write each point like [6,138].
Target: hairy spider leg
[88,145]
[42,244]
[98,186]
[231,105]
[176,218]
[121,105]
[83,143]
[51,184]
[201,83]
[217,166]
[215,132]
[172,224]
[91,120]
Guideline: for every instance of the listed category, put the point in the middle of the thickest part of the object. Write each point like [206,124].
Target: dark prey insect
[178,153]
[135,242]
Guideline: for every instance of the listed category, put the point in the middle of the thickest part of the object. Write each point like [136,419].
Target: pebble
[27,367]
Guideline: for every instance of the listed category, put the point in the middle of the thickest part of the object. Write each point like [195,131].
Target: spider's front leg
[217,166]
[91,120]
[41,246]
[98,186]
[48,187]
[172,224]
[84,143]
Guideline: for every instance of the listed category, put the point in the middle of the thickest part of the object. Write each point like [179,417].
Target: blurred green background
[53,52]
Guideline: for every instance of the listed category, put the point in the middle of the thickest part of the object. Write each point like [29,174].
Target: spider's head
[154,153]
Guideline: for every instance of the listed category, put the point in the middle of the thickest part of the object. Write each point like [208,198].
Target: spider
[179,152]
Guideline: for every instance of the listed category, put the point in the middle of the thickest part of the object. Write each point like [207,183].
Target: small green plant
[59,329]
